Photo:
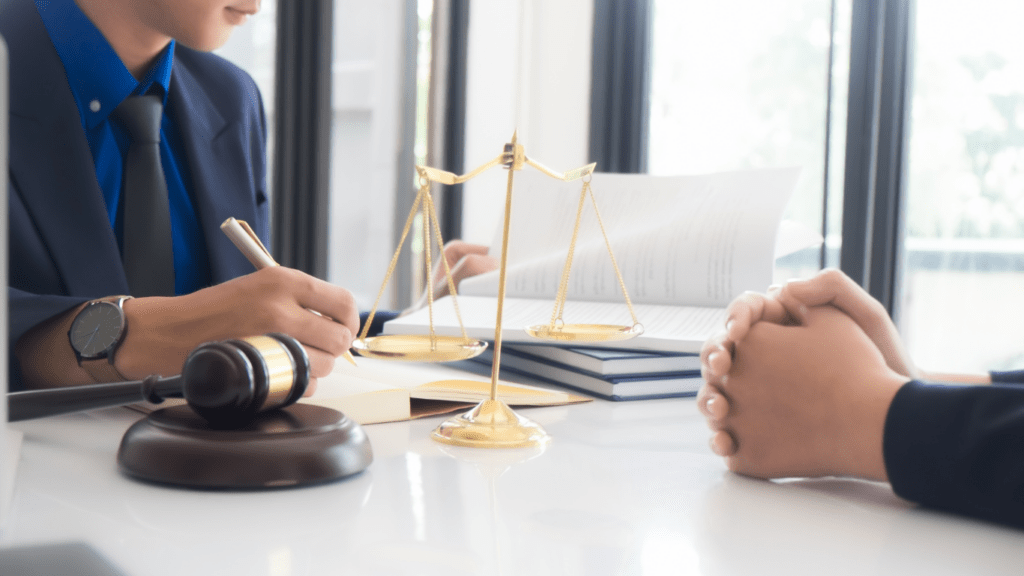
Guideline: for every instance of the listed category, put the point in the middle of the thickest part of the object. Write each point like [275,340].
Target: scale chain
[447,270]
[394,261]
[563,285]
[615,265]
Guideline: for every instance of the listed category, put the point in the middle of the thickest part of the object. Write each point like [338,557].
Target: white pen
[248,242]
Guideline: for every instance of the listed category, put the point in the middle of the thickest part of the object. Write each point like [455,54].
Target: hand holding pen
[245,239]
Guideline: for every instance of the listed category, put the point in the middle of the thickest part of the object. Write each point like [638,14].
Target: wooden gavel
[227,383]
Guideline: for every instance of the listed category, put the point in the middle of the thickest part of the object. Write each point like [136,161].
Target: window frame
[878,111]
[877,120]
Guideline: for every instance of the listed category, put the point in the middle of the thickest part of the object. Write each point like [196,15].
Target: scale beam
[491,424]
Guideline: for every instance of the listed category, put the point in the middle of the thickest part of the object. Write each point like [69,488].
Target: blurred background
[907,119]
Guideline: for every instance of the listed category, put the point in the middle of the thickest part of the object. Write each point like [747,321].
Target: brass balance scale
[490,424]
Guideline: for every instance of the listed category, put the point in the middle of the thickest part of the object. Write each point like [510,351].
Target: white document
[685,245]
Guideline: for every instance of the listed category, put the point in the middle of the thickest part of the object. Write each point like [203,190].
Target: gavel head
[229,382]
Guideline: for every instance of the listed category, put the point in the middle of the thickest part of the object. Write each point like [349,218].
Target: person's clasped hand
[786,363]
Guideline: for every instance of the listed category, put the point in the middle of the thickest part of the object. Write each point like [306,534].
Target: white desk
[627,488]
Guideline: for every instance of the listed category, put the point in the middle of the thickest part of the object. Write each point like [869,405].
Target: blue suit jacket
[62,248]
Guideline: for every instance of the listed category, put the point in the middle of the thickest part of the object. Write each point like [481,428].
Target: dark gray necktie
[148,253]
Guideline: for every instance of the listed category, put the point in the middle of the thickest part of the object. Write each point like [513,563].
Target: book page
[365,400]
[667,328]
[424,381]
[690,240]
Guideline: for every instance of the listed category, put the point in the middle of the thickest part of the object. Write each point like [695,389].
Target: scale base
[294,446]
[491,424]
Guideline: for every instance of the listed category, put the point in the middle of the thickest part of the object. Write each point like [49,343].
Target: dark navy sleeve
[958,448]
[1008,377]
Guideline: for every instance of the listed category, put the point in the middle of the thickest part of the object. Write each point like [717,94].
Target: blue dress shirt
[99,82]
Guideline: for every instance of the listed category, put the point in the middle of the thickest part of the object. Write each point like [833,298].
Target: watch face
[96,330]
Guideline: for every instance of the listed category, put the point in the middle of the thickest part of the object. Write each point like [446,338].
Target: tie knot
[141,116]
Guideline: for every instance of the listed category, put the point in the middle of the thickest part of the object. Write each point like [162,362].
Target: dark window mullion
[621,85]
[453,159]
[301,188]
[877,112]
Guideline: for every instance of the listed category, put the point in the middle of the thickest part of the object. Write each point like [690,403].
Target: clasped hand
[800,380]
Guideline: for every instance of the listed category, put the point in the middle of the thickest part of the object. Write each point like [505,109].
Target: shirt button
[94,105]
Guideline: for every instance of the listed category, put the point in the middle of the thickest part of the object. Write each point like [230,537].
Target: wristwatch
[95,334]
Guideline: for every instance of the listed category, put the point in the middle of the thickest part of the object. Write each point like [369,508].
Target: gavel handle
[52,401]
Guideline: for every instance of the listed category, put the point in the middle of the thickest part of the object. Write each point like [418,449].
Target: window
[370,181]
[740,85]
[748,84]
[963,281]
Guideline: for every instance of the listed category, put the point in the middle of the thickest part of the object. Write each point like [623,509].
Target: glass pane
[424,54]
[963,283]
[745,84]
[368,99]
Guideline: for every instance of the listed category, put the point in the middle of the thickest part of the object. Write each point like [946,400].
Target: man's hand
[276,299]
[808,400]
[833,288]
[163,331]
[789,305]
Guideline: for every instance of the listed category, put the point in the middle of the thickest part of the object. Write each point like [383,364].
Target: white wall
[528,70]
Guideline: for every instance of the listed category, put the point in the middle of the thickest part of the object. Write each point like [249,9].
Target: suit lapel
[52,167]
[215,146]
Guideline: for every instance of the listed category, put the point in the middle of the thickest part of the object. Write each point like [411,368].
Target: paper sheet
[693,240]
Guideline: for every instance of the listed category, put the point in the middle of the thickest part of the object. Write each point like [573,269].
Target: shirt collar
[98,78]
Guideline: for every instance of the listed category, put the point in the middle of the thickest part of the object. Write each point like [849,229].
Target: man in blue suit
[71,64]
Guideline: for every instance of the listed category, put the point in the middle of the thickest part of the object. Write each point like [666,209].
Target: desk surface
[624,488]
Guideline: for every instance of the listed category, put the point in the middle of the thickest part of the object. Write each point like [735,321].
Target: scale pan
[419,347]
[585,332]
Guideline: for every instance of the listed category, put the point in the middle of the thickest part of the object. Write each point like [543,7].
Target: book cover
[628,387]
[613,361]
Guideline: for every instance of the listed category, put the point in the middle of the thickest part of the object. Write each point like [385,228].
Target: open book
[686,246]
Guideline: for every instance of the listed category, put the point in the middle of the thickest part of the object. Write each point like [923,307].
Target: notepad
[382,391]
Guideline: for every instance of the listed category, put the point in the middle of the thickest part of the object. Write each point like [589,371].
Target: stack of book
[610,373]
